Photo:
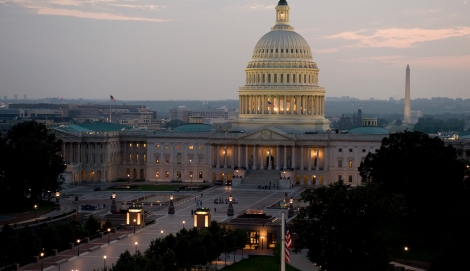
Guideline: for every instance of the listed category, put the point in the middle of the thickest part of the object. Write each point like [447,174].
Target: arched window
[178,158]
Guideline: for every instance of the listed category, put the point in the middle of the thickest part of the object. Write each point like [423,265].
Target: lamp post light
[135,224]
[128,177]
[262,238]
[35,208]
[113,204]
[161,233]
[183,223]
[290,212]
[284,174]
[237,173]
[109,233]
[57,201]
[78,248]
[406,258]
[104,262]
[171,207]
[136,247]
[230,211]
[42,260]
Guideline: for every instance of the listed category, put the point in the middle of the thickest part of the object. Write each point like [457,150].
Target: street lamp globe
[57,194]
[113,195]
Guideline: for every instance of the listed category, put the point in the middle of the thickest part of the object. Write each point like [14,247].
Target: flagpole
[283,245]
[110,102]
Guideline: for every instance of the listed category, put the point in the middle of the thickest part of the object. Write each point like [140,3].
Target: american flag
[112,98]
[288,244]
[270,104]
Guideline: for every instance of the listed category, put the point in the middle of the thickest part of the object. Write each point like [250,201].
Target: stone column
[317,157]
[293,156]
[285,104]
[233,155]
[277,157]
[262,158]
[246,156]
[254,156]
[285,158]
[309,156]
[269,158]
[239,152]
[218,156]
[302,157]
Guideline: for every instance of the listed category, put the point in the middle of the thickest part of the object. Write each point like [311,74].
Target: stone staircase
[261,177]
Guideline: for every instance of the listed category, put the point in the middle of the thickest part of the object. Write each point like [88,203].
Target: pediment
[267,134]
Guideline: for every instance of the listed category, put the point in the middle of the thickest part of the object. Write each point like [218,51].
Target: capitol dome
[281,88]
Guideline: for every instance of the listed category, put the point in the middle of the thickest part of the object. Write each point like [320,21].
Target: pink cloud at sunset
[400,38]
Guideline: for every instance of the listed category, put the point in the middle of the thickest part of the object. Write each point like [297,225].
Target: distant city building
[406,118]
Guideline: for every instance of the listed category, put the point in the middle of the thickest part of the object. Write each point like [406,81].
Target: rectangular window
[137,145]
[167,160]
[130,145]
[157,174]
[201,147]
[350,164]
[340,150]
[167,147]
[200,175]
[145,145]
[157,146]
[157,160]
[350,178]
[145,157]
[340,178]
[137,157]
[340,163]
[167,174]
[130,157]
[178,174]
[191,174]
[191,147]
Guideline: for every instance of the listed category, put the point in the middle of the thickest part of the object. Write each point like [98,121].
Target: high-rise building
[406,117]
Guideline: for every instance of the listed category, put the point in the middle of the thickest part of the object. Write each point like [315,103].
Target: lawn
[258,263]
[151,187]
[26,206]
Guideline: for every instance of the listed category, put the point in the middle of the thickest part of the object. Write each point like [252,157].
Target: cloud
[93,9]
[442,62]
[326,51]
[258,6]
[400,38]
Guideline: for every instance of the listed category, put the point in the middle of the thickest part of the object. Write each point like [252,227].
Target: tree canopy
[343,228]
[30,162]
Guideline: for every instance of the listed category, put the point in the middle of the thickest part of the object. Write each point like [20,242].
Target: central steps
[261,177]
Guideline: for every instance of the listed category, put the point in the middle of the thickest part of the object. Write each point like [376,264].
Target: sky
[199,49]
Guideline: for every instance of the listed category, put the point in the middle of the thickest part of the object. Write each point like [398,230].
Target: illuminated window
[167,174]
[145,157]
[157,174]
[157,160]
[130,157]
[178,147]
[167,160]
[178,174]
[190,174]
[145,145]
[137,157]
[350,164]
[191,147]
[167,147]
[157,146]
[201,147]
[130,145]
[200,175]
[137,145]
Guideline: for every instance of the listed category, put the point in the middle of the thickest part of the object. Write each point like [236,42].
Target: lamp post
[135,224]
[57,201]
[109,233]
[78,248]
[128,177]
[104,262]
[290,212]
[230,207]
[42,259]
[183,223]
[35,208]
[171,207]
[161,233]
[113,204]
[406,258]
[284,174]
[136,247]
[262,238]
[237,173]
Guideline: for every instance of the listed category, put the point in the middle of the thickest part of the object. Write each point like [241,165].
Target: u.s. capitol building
[281,135]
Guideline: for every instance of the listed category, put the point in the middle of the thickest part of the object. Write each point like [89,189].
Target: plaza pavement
[91,254]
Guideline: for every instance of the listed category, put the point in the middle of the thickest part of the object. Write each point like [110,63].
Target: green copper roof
[194,128]
[93,127]
[369,130]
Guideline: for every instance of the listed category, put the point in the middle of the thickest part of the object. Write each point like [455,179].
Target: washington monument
[406,118]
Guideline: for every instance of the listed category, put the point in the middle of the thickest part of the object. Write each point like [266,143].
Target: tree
[29,143]
[241,239]
[92,225]
[425,171]
[344,228]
